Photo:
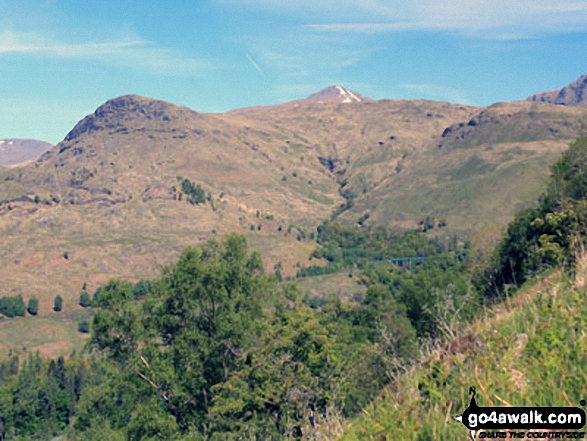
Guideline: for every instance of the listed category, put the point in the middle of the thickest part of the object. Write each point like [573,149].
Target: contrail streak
[255,65]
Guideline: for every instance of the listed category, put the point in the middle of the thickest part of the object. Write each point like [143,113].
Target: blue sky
[59,60]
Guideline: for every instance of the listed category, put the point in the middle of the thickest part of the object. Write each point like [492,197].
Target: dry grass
[53,335]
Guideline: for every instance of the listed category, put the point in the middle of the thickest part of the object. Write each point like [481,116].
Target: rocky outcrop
[575,94]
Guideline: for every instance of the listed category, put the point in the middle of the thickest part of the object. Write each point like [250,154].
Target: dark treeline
[348,247]
[38,397]
[215,349]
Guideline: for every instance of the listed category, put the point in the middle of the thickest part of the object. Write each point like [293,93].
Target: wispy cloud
[311,55]
[437,92]
[129,50]
[502,19]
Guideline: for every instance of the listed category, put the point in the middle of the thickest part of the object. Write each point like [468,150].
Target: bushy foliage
[348,247]
[315,270]
[194,192]
[85,299]
[83,327]
[217,350]
[39,398]
[434,294]
[546,236]
[57,304]
[12,306]
[141,289]
[33,306]
[431,294]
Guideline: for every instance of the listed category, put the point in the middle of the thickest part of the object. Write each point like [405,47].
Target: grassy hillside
[468,189]
[53,335]
[529,351]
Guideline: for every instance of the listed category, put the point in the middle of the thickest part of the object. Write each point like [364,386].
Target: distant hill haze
[575,94]
[18,151]
[108,200]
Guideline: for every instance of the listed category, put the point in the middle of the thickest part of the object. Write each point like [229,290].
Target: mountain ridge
[109,196]
[573,94]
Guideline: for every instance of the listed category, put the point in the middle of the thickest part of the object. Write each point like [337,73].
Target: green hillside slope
[530,351]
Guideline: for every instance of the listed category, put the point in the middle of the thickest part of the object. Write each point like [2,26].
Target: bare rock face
[117,114]
[575,94]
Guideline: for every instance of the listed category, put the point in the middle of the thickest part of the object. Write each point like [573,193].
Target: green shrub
[33,307]
[83,327]
[84,299]
[141,289]
[12,306]
[57,304]
[195,193]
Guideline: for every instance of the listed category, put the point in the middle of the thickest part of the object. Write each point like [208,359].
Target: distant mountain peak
[18,151]
[574,94]
[336,94]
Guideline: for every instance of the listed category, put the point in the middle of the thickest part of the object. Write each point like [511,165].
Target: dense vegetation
[38,398]
[215,349]
[430,294]
[548,235]
[12,306]
[348,247]
[195,194]
[531,355]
